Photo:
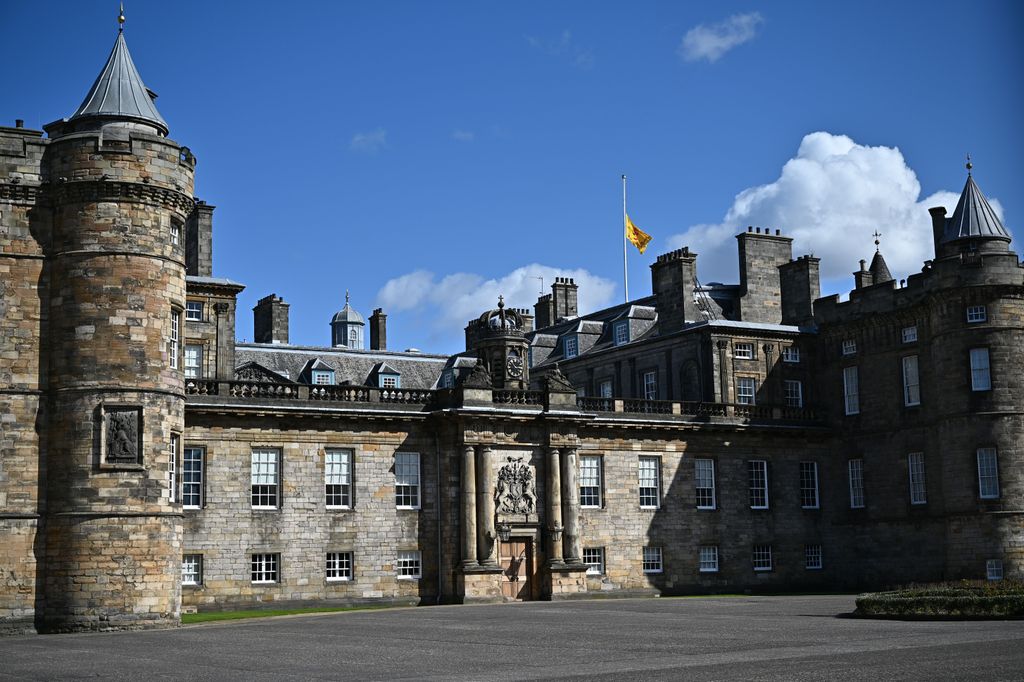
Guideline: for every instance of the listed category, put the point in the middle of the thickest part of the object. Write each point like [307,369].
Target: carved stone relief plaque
[122,435]
[516,489]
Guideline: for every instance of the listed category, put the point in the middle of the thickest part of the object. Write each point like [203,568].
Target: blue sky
[428,156]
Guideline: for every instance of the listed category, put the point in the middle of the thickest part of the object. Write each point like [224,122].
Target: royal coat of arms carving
[516,492]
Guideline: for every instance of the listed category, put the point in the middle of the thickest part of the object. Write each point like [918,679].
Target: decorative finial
[346,296]
[501,301]
[120,19]
[876,235]
[969,164]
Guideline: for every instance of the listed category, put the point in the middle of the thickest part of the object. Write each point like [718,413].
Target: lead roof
[973,217]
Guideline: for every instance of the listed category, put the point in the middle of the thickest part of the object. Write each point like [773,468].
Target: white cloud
[564,46]
[370,142]
[830,198]
[712,41]
[463,135]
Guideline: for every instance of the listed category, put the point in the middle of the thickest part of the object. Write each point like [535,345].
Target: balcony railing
[697,409]
[258,389]
[518,397]
[200,387]
[347,394]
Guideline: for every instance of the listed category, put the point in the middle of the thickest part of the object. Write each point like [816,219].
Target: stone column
[468,507]
[571,545]
[553,508]
[485,533]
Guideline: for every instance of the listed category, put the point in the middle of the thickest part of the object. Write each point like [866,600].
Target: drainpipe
[437,496]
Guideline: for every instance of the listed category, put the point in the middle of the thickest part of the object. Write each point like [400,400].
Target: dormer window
[323,377]
[447,379]
[621,333]
[389,380]
[572,347]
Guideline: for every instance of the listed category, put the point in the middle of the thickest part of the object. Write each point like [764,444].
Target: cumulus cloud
[370,142]
[830,198]
[564,47]
[445,304]
[463,135]
[711,41]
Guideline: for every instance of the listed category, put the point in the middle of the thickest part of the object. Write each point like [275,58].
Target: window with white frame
[192,478]
[650,385]
[743,351]
[794,392]
[708,559]
[762,557]
[174,342]
[981,377]
[593,559]
[407,480]
[323,377]
[338,479]
[652,560]
[265,470]
[192,569]
[339,566]
[409,565]
[791,354]
[193,361]
[812,557]
[194,311]
[604,389]
[918,487]
[746,389]
[175,233]
[851,390]
[909,334]
[621,333]
[650,482]
[172,467]
[704,478]
[390,380]
[590,481]
[809,485]
[988,474]
[855,470]
[447,379]
[265,568]
[976,313]
[911,382]
[849,347]
[758,475]
[570,347]
[994,569]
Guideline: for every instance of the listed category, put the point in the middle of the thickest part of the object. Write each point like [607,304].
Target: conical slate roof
[120,93]
[973,217]
[879,269]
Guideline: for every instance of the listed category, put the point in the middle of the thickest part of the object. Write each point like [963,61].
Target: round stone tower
[121,192]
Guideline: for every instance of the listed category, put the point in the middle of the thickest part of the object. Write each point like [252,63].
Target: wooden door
[516,557]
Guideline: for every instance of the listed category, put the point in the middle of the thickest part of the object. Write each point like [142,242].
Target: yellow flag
[634,234]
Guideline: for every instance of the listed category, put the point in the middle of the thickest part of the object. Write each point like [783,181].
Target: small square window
[791,354]
[339,566]
[323,377]
[849,347]
[389,381]
[593,558]
[976,313]
[192,569]
[709,559]
[652,560]
[265,568]
[194,311]
[762,556]
[621,333]
[743,351]
[409,565]
[812,557]
[909,334]
[994,569]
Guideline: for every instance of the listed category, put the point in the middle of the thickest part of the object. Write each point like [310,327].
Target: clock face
[514,366]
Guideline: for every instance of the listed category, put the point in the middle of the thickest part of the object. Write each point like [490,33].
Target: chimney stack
[270,320]
[378,330]
[564,297]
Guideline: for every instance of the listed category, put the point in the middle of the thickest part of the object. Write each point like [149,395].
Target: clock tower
[497,338]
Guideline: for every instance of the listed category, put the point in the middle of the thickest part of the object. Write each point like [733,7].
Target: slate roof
[596,324]
[879,270]
[418,370]
[973,217]
[119,92]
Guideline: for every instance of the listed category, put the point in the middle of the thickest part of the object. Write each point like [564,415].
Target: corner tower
[121,193]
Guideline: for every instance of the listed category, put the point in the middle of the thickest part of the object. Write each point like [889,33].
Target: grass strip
[211,616]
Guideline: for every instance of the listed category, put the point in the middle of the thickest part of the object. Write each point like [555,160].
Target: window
[911,382]
[758,469]
[590,481]
[812,557]
[323,377]
[408,565]
[994,569]
[571,347]
[743,351]
[192,478]
[849,347]
[172,468]
[407,480]
[174,343]
[650,482]
[621,333]
[390,381]
[338,479]
[709,559]
[650,385]
[909,334]
[604,389]
[976,313]
[794,393]
[809,485]
[918,489]
[194,311]
[447,379]
[855,468]
[981,377]
[339,566]
[593,559]
[265,568]
[704,476]
[353,338]
[762,557]
[791,354]
[264,478]
[851,395]
[988,474]
[193,361]
[652,560]
[175,233]
[192,569]
[746,387]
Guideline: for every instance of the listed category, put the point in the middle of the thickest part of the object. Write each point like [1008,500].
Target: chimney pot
[19,123]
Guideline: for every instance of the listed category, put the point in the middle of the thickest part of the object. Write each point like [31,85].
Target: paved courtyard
[727,638]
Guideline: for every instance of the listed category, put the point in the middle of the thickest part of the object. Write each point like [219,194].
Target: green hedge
[1002,599]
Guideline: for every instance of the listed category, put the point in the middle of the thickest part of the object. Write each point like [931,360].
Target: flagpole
[625,267]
